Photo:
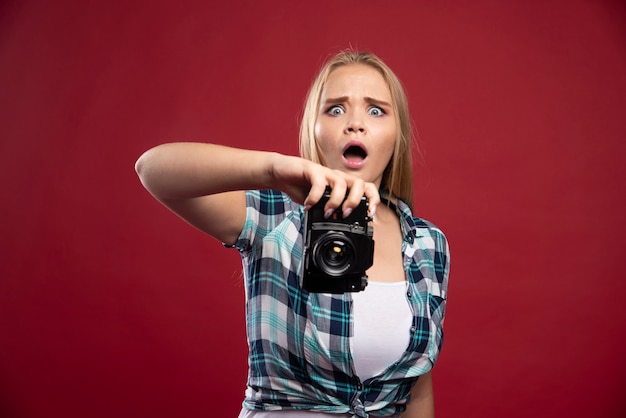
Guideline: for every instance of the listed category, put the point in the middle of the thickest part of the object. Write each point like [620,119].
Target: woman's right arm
[191,180]
[204,183]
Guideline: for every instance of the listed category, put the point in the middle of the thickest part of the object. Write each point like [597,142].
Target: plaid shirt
[300,342]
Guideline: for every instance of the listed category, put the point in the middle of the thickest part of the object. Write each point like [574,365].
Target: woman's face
[356,127]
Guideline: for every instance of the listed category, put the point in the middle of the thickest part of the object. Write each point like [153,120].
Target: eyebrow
[342,99]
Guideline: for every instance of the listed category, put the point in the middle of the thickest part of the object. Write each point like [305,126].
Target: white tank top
[382,320]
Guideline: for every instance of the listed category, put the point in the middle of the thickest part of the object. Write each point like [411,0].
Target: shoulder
[419,227]
[427,241]
[270,213]
[270,202]
[425,227]
[268,208]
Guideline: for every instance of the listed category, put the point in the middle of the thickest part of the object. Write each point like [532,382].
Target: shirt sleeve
[264,209]
[439,290]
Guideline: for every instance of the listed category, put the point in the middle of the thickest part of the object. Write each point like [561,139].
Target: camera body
[337,250]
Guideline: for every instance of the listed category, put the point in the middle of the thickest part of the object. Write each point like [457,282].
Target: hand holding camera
[337,250]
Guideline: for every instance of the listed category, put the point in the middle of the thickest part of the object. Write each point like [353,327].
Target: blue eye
[375,111]
[335,111]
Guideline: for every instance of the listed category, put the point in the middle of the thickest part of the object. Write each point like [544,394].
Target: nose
[354,124]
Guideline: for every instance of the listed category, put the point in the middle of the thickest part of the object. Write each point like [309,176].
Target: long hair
[397,178]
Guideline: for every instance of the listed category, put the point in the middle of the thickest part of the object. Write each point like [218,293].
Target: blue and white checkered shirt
[299,342]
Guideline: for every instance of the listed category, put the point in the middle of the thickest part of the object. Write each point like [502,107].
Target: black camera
[337,250]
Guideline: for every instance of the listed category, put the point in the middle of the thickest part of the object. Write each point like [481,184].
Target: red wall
[110,306]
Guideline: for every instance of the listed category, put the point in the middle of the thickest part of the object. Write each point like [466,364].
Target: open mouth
[355,154]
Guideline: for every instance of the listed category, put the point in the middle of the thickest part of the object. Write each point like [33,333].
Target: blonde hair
[397,178]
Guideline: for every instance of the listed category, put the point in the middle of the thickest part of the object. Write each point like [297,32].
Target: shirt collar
[407,221]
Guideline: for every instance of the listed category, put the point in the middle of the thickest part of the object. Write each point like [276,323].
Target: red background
[111,306]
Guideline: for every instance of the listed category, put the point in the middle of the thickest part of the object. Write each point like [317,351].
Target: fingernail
[372,211]
[346,212]
[328,213]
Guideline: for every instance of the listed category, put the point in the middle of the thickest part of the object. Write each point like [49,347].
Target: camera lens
[334,253]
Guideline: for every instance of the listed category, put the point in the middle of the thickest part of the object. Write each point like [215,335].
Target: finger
[355,195]
[315,174]
[315,192]
[337,195]
[373,198]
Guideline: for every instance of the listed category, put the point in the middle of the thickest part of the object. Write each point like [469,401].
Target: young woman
[361,354]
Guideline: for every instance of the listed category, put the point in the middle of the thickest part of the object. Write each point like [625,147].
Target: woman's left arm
[422,402]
